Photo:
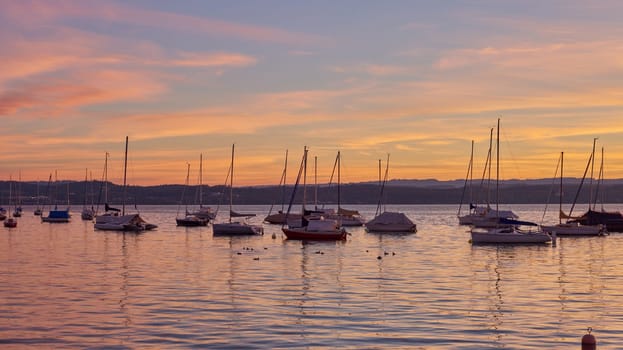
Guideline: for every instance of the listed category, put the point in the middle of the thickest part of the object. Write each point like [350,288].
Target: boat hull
[132,223]
[573,229]
[281,218]
[57,216]
[235,229]
[191,222]
[10,223]
[504,236]
[303,234]
[391,228]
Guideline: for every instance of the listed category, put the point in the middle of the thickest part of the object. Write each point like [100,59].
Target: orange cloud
[221,59]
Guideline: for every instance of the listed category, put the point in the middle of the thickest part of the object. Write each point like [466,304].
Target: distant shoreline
[536,191]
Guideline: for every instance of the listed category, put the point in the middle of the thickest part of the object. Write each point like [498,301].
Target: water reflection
[178,288]
[125,276]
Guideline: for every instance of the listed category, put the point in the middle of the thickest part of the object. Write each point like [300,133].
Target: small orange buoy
[588,341]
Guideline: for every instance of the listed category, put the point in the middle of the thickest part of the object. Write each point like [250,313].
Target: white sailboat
[386,221]
[188,219]
[123,222]
[512,233]
[88,213]
[346,217]
[235,227]
[204,213]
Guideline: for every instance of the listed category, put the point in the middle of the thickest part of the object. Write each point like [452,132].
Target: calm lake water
[68,286]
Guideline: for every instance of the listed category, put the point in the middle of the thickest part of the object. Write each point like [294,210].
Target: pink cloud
[51,96]
[12,101]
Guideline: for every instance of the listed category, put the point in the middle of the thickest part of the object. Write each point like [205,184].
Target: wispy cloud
[379,70]
[33,12]
[219,59]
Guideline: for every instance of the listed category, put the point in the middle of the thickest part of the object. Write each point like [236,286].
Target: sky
[418,80]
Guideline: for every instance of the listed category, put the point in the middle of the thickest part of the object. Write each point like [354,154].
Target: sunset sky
[416,79]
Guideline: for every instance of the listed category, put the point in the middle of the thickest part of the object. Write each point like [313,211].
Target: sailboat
[57,215]
[10,222]
[235,227]
[572,228]
[123,222]
[88,213]
[467,219]
[279,218]
[109,212]
[204,213]
[387,221]
[346,217]
[314,227]
[38,210]
[612,220]
[18,198]
[487,217]
[188,219]
[507,231]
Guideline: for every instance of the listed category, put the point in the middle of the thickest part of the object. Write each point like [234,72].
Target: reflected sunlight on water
[66,285]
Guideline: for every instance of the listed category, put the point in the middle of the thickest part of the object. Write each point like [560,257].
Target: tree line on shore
[513,192]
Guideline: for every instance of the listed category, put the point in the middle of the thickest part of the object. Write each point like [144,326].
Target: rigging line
[551,191]
[512,155]
[379,207]
[599,183]
[222,194]
[469,168]
[577,194]
[296,184]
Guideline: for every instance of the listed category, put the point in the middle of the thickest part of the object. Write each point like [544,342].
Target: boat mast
[497,172]
[200,180]
[489,164]
[315,182]
[185,187]
[339,162]
[86,187]
[562,162]
[468,177]
[590,192]
[10,193]
[18,192]
[283,189]
[231,183]
[125,171]
[37,193]
[305,178]
[378,206]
